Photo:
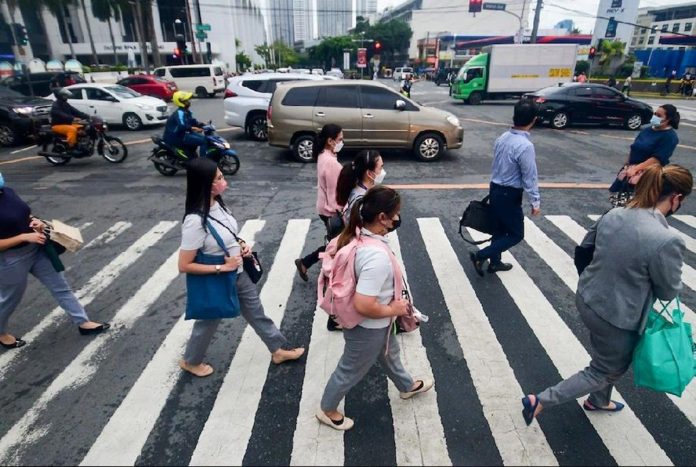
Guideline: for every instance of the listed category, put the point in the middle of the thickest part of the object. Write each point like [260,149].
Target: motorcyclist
[64,117]
[182,129]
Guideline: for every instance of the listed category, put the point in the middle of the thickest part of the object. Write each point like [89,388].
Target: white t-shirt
[194,237]
[373,270]
[355,194]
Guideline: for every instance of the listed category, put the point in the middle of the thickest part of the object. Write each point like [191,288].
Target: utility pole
[138,17]
[191,31]
[535,28]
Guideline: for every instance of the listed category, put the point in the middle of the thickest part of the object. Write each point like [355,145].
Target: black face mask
[671,212]
[395,225]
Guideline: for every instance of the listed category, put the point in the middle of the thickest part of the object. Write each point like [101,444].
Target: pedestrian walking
[22,252]
[611,82]
[514,172]
[654,145]
[626,88]
[582,77]
[206,217]
[617,290]
[326,148]
[375,214]
[366,171]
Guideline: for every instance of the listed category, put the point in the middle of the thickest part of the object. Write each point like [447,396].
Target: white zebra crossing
[418,433]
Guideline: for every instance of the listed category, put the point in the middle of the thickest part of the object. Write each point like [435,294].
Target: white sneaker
[425,385]
[344,425]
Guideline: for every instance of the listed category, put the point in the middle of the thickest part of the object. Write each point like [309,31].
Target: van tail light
[540,100]
[229,93]
[269,114]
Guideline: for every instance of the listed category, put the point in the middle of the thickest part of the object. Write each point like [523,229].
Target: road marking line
[687,124]
[149,140]
[496,386]
[87,293]
[121,441]
[485,121]
[687,403]
[624,436]
[227,431]
[418,433]
[81,370]
[107,237]
[14,161]
[24,149]
[684,146]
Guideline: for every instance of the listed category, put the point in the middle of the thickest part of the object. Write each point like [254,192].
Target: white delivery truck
[510,70]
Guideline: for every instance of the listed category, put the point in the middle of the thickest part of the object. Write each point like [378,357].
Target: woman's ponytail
[355,222]
[658,182]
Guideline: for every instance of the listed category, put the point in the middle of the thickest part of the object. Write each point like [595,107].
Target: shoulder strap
[217,237]
[228,229]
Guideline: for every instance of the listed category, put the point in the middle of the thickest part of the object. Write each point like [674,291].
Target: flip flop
[528,409]
[590,407]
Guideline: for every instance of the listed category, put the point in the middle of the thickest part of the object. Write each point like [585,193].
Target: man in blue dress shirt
[514,172]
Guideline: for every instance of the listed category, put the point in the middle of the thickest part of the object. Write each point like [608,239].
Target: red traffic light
[378,45]
[475,6]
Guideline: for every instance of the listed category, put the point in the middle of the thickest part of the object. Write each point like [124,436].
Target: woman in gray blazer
[617,290]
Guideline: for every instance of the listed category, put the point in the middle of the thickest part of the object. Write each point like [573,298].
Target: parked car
[335,72]
[150,85]
[42,83]
[399,72]
[247,98]
[202,80]
[118,105]
[21,116]
[371,114]
[572,103]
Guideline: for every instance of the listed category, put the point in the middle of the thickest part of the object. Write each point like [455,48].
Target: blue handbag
[212,296]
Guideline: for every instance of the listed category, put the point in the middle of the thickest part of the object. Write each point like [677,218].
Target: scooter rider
[64,117]
[182,129]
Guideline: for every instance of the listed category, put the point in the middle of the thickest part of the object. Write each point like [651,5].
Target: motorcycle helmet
[62,94]
[181,98]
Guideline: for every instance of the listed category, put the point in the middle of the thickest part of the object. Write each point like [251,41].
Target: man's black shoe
[478,264]
[495,267]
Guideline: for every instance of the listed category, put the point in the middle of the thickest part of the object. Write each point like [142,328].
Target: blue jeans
[506,205]
[197,139]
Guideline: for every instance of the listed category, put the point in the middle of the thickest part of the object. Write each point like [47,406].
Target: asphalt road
[119,398]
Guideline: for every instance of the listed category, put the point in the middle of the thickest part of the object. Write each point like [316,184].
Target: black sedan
[573,103]
[21,116]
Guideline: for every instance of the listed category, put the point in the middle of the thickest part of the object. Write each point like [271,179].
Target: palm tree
[104,11]
[149,26]
[95,58]
[609,51]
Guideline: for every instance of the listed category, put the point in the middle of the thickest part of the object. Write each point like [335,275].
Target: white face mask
[338,147]
[380,176]
[655,121]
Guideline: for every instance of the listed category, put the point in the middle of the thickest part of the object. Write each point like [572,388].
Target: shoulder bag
[478,216]
[250,264]
[212,296]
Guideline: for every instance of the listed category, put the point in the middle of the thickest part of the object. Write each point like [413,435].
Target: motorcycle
[90,137]
[168,160]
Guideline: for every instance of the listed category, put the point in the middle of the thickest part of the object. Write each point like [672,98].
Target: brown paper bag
[63,234]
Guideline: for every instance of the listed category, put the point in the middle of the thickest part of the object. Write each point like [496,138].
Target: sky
[551,15]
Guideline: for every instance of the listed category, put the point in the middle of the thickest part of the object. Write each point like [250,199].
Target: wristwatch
[218,268]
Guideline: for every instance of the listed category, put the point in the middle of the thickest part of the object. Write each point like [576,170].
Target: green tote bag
[664,359]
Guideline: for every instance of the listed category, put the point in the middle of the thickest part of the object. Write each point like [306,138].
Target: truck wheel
[429,147]
[560,120]
[302,148]
[475,98]
[201,92]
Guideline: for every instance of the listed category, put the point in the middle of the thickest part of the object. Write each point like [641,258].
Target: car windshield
[7,92]
[122,92]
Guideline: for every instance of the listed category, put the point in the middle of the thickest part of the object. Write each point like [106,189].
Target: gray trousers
[612,353]
[252,311]
[16,265]
[362,349]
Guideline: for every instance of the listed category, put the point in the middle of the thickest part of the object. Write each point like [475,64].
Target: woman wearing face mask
[204,187]
[366,171]
[326,148]
[654,145]
[375,214]
[21,253]
[618,288]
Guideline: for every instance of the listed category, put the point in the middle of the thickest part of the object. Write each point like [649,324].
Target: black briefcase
[478,216]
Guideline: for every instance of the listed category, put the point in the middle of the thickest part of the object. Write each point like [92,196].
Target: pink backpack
[337,281]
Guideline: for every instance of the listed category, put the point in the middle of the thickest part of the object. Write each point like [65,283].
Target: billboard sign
[362,58]
[612,16]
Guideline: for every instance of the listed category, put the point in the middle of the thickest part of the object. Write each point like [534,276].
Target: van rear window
[301,97]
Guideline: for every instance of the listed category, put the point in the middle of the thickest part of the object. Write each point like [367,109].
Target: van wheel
[429,147]
[302,148]
[475,98]
[201,92]
[132,121]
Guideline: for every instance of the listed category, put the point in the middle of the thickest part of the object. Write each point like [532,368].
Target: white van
[202,80]
[398,73]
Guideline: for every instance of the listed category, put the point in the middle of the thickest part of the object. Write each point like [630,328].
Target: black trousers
[313,258]
[506,204]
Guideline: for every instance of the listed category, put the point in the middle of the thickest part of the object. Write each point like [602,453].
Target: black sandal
[528,409]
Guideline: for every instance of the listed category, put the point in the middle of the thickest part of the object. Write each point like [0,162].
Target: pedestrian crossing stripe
[419,436]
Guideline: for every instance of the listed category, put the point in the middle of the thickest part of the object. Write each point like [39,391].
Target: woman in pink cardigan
[326,147]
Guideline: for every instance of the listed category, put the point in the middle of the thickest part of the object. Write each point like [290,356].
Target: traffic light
[21,34]
[592,53]
[180,50]
[378,46]
[475,6]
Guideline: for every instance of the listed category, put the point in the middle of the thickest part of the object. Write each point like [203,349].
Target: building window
[687,27]
[675,27]
[651,40]
[642,41]
[633,41]
[664,27]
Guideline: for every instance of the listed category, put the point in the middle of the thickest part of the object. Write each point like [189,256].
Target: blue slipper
[528,409]
[590,407]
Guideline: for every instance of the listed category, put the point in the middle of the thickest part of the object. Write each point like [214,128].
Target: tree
[395,37]
[151,34]
[362,24]
[286,55]
[264,52]
[330,50]
[575,31]
[95,57]
[609,51]
[243,61]
[104,11]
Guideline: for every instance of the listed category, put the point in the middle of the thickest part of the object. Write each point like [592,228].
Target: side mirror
[400,105]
